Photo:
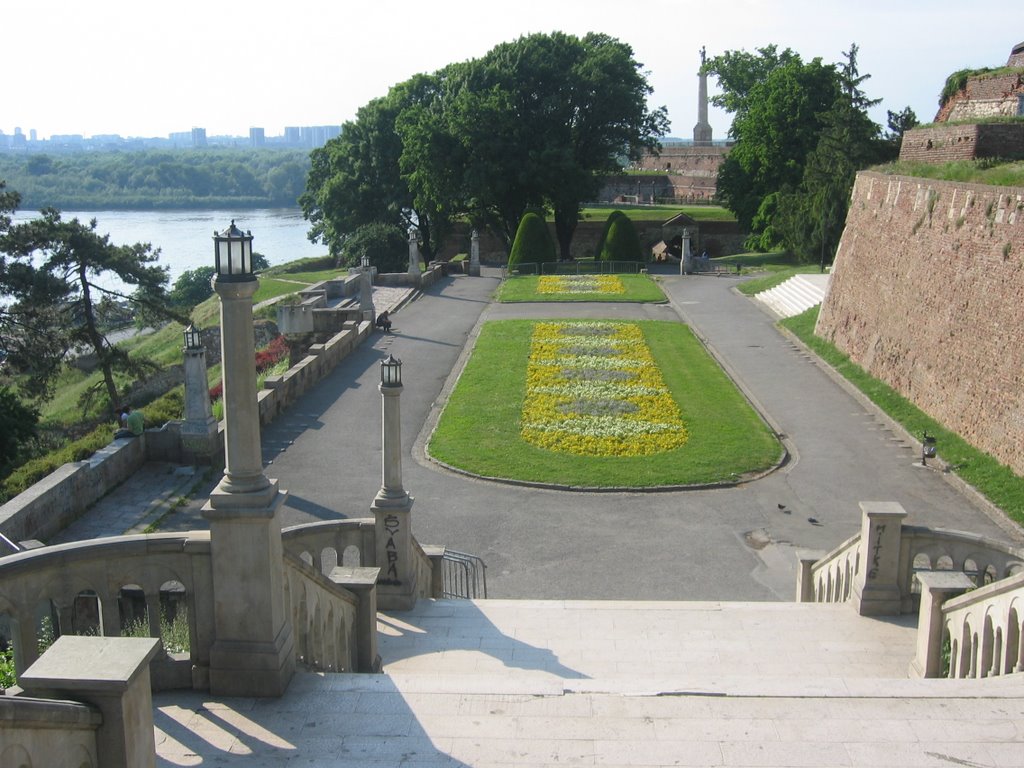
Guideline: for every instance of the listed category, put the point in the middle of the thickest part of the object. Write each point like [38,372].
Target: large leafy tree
[356,180]
[534,123]
[778,126]
[812,217]
[88,270]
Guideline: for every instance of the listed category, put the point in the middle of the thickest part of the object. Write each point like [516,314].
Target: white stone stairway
[796,295]
[527,683]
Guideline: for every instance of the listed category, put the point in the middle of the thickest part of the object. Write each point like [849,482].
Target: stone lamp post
[686,265]
[199,430]
[392,506]
[253,650]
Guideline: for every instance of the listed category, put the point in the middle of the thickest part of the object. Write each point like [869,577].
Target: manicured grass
[479,430]
[639,288]
[996,481]
[659,212]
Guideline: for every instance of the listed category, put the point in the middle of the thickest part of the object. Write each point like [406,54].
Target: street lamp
[193,338]
[364,261]
[391,372]
[927,449]
[233,254]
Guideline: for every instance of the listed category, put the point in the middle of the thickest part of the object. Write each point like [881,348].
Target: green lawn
[639,288]
[994,480]
[659,212]
[479,429]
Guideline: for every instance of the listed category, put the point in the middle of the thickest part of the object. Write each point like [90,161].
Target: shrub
[533,243]
[622,243]
[612,218]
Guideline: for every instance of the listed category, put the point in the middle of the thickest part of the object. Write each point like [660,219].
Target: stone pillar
[686,265]
[392,512]
[199,430]
[936,588]
[253,650]
[111,674]
[363,583]
[415,274]
[474,254]
[366,307]
[876,588]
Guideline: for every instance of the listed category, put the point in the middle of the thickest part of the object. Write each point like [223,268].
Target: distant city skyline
[118,67]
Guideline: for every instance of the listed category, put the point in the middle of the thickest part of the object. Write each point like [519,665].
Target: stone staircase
[542,683]
[796,295]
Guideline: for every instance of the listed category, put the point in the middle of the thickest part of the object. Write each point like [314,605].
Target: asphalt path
[721,544]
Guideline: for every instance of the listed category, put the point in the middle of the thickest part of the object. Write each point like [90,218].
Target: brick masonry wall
[998,88]
[926,296]
[943,144]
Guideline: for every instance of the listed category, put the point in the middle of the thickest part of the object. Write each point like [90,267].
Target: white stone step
[797,294]
[656,645]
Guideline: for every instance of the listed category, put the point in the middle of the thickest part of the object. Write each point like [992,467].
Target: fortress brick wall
[947,143]
[984,96]
[926,295]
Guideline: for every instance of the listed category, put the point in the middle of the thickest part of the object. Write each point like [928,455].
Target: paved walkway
[730,544]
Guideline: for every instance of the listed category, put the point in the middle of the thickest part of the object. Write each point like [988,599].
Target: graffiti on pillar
[876,550]
[392,525]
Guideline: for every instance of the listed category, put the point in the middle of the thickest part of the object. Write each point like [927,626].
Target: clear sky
[148,69]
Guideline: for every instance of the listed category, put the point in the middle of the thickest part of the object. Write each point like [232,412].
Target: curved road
[728,544]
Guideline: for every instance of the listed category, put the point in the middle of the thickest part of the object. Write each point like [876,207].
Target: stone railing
[982,629]
[829,578]
[352,543]
[906,569]
[61,734]
[161,585]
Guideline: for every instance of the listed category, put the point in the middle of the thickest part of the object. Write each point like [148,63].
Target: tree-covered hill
[186,178]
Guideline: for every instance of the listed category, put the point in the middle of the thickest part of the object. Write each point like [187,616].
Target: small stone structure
[985,95]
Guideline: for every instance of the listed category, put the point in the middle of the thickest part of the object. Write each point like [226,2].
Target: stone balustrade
[968,590]
[983,630]
[103,586]
[57,734]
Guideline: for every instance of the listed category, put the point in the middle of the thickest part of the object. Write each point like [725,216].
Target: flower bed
[594,389]
[576,284]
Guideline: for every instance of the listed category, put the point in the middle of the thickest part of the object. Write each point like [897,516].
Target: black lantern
[193,338]
[927,448]
[233,254]
[391,372]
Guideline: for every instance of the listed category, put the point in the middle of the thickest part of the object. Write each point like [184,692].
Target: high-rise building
[257,137]
[198,137]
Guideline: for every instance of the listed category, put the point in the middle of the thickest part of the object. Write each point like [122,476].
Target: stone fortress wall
[926,296]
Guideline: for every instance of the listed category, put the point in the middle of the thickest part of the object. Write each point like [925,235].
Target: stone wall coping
[981,594]
[49,714]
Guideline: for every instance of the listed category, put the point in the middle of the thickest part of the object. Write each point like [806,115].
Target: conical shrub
[533,242]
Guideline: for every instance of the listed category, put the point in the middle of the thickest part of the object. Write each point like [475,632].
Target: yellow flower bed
[593,388]
[580,284]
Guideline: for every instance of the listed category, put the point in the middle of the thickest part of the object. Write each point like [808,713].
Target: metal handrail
[465,576]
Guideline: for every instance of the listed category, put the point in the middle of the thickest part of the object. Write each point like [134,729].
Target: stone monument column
[253,650]
[702,130]
[366,308]
[474,254]
[415,274]
[392,506]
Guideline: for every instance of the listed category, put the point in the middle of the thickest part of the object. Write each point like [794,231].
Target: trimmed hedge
[623,242]
[533,242]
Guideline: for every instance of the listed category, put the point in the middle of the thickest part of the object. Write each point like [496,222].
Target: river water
[185,238]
